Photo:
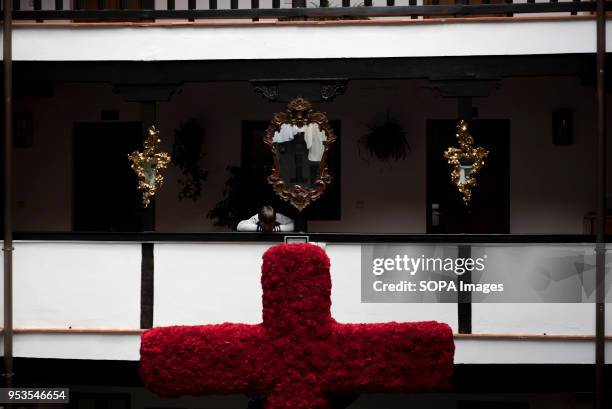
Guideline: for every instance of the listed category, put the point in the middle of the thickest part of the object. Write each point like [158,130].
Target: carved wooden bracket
[318,90]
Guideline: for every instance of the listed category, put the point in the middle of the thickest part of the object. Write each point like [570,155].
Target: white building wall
[226,288]
[78,285]
[278,41]
[96,286]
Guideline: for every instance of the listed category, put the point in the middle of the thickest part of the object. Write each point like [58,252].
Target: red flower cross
[299,354]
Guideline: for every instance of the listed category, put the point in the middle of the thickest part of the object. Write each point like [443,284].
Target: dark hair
[267,218]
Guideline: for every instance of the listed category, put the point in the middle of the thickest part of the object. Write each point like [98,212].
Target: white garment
[314,138]
[283,223]
[285,134]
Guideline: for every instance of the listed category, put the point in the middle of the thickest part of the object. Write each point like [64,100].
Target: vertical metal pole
[8,226]
[464,307]
[600,248]
[147,268]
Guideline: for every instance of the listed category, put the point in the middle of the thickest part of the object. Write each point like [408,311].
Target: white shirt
[314,142]
[313,137]
[286,133]
[283,223]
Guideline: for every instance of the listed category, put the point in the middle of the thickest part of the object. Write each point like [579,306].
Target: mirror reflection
[300,150]
[466,168]
[148,168]
[148,165]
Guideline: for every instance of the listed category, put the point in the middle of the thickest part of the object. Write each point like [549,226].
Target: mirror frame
[299,112]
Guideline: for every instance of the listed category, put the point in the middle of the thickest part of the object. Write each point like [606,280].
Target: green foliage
[386,139]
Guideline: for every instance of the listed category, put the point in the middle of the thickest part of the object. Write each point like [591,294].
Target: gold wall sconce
[465,160]
[148,165]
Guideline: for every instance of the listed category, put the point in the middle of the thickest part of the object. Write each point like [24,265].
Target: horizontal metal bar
[105,331]
[478,337]
[527,337]
[238,237]
[398,11]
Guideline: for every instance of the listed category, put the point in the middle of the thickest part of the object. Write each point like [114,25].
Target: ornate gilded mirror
[465,160]
[148,165]
[299,139]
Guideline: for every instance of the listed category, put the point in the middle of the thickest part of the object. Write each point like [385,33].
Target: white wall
[208,283]
[97,285]
[277,41]
[80,285]
[78,346]
[550,198]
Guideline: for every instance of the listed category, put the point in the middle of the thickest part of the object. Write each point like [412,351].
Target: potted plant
[386,140]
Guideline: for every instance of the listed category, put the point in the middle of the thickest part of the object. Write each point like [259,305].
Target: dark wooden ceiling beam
[436,68]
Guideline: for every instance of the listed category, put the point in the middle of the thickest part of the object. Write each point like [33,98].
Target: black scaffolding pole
[8,168]
[600,247]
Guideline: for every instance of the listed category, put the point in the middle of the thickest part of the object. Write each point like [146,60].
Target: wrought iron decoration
[148,165]
[299,113]
[465,160]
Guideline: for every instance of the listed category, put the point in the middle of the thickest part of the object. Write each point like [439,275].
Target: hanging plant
[386,140]
[233,207]
[187,152]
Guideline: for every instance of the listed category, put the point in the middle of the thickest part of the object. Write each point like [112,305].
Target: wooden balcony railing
[289,10]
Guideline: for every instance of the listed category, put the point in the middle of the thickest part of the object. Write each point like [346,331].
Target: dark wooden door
[489,212]
[105,187]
